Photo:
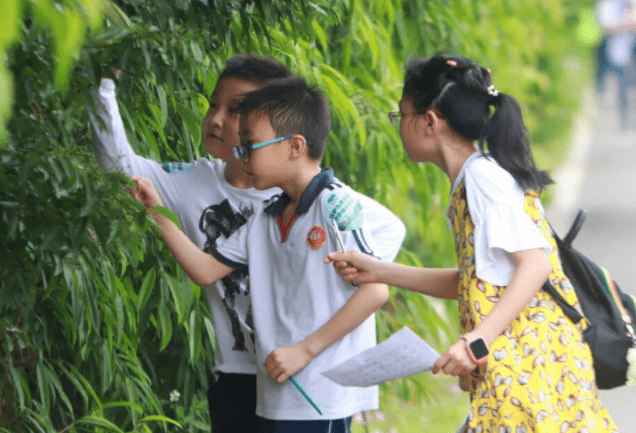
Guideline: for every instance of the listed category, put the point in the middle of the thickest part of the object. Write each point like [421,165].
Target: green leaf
[194,337]
[160,418]
[147,287]
[176,287]
[42,388]
[18,384]
[210,331]
[106,366]
[11,13]
[99,422]
[53,379]
[196,52]
[136,407]
[168,214]
[191,121]
[163,104]
[121,320]
[81,384]
[165,326]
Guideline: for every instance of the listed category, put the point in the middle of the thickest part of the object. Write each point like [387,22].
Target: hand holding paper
[402,354]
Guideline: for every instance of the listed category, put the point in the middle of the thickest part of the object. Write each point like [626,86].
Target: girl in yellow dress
[525,364]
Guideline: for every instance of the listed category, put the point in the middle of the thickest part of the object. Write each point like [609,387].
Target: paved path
[600,176]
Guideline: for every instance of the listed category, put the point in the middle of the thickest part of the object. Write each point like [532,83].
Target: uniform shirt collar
[315,187]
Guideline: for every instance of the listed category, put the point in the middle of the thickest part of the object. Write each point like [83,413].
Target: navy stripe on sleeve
[357,235]
[231,263]
[364,239]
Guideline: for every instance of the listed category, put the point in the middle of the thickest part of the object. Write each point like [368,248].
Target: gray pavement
[600,175]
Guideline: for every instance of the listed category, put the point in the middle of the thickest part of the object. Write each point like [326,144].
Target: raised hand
[145,192]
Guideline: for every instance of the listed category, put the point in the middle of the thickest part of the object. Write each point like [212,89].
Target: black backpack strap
[576,227]
[568,309]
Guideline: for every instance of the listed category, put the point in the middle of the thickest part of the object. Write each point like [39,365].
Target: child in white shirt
[305,317]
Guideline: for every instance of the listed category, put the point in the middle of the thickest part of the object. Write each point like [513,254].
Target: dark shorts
[232,404]
[318,426]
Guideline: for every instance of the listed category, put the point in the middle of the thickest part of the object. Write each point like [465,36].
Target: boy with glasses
[306,318]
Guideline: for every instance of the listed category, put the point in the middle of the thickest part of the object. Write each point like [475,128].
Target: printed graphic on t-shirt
[221,220]
[177,167]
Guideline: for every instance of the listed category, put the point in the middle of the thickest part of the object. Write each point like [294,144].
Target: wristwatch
[477,350]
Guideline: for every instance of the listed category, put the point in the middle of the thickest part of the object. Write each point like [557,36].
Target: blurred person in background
[602,66]
[616,18]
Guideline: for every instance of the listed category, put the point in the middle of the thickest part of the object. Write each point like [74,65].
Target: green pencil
[302,391]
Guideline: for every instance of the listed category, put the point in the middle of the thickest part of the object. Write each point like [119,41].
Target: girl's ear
[432,118]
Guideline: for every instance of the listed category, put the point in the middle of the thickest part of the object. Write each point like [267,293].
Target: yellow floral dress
[538,376]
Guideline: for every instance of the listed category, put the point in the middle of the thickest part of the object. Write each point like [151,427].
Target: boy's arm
[114,151]
[111,143]
[285,361]
[202,268]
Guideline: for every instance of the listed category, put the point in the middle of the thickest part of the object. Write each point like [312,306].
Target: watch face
[479,349]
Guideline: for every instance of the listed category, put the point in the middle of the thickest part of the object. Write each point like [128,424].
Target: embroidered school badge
[316,237]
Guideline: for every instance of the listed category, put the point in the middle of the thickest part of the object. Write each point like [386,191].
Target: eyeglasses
[395,117]
[244,150]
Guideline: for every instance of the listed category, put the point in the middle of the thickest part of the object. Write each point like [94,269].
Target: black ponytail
[508,143]
[464,95]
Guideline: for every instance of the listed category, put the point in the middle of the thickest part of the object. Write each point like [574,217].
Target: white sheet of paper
[402,354]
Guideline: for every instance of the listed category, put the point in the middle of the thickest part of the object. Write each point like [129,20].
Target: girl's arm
[202,268]
[285,361]
[532,270]
[362,268]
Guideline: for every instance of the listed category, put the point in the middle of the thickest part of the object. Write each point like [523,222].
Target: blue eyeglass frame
[244,151]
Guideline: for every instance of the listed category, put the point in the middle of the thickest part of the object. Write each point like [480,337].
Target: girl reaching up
[525,364]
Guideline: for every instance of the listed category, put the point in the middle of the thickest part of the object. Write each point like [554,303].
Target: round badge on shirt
[316,237]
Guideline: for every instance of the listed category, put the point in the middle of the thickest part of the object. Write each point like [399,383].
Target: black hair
[463,93]
[293,107]
[254,67]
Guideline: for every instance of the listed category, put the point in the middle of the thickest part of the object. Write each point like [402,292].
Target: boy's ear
[298,146]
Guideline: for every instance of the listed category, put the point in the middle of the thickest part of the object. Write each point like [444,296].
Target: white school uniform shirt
[209,209]
[496,206]
[294,293]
